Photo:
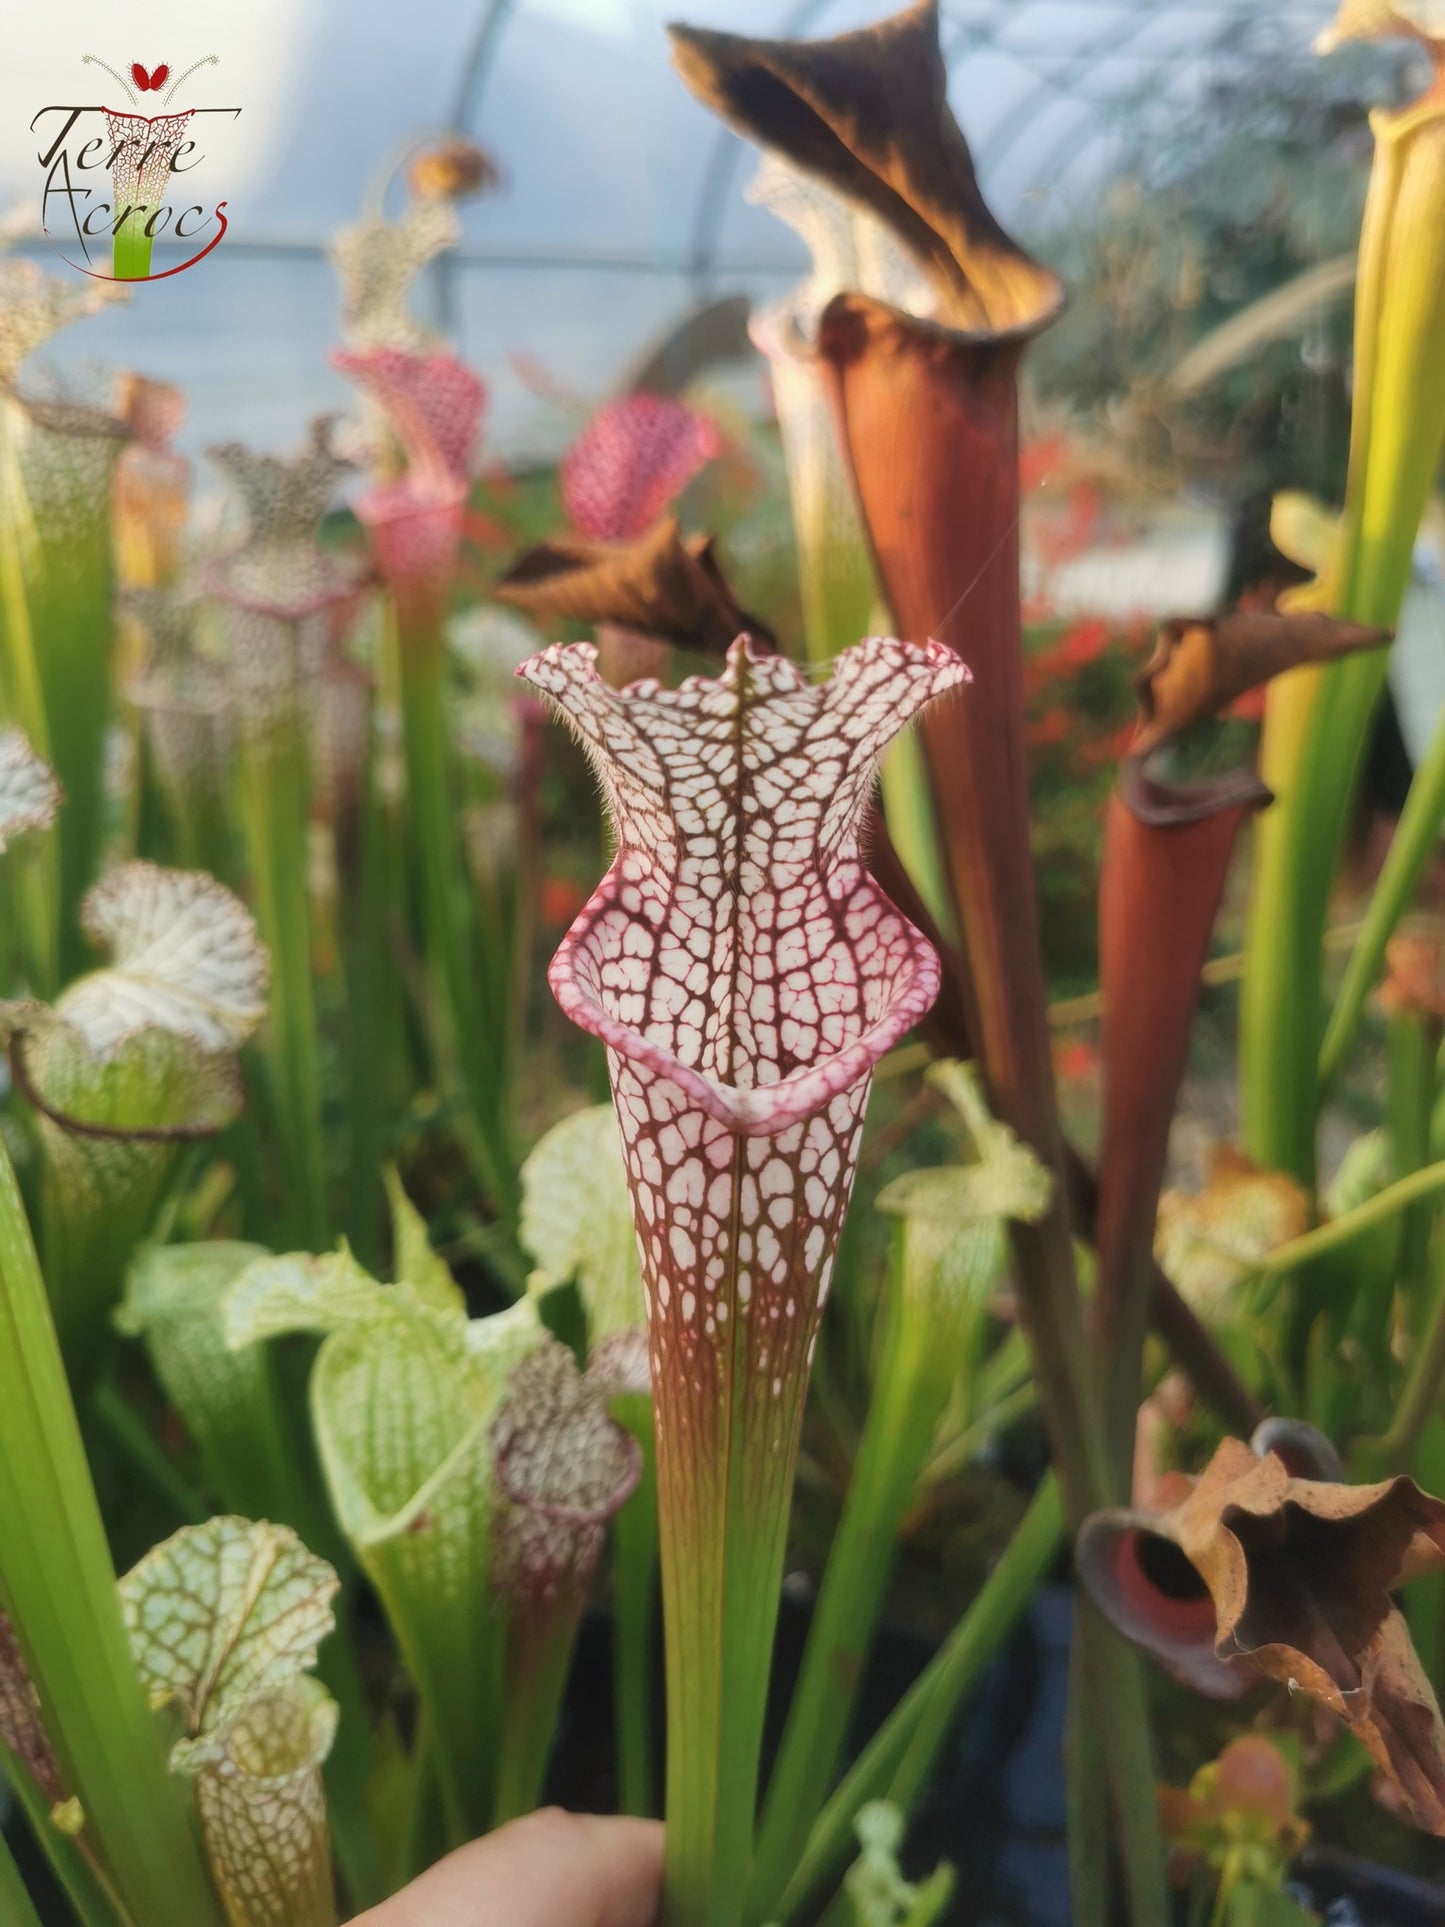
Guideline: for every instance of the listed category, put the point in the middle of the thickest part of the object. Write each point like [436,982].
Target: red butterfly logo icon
[149,82]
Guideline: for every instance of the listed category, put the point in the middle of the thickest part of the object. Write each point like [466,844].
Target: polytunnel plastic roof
[621,203]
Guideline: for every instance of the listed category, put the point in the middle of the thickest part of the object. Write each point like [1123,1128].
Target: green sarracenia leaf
[263,1807]
[174,1301]
[1252,1906]
[1007,1180]
[949,1251]
[957,1216]
[297,1292]
[577,1220]
[57,459]
[153,1085]
[134,1061]
[1365,1170]
[112,1127]
[415,1263]
[403,1395]
[577,1223]
[58,1590]
[221,1613]
[225,1620]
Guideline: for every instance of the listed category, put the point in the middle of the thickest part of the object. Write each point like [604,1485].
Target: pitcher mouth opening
[737,948]
[761,1109]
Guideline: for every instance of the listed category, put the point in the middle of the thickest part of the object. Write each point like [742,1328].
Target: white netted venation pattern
[744,971]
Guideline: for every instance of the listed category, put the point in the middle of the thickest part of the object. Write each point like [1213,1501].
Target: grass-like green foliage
[277,971]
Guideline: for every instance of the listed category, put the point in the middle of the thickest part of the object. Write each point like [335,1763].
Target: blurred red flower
[629,463]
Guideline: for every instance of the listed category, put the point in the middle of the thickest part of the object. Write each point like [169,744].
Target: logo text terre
[116,182]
